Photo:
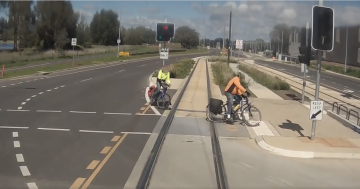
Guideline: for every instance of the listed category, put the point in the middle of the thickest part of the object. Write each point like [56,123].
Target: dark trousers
[157,90]
[230,98]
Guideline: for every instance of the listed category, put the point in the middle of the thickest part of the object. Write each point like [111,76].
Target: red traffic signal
[166,27]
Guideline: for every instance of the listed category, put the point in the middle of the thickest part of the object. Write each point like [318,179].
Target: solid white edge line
[20,158]
[54,111]
[32,185]
[16,144]
[148,101]
[15,134]
[109,113]
[25,171]
[136,133]
[85,80]
[9,127]
[53,129]
[148,115]
[80,112]
[90,131]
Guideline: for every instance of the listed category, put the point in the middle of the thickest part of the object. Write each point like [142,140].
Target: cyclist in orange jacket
[234,89]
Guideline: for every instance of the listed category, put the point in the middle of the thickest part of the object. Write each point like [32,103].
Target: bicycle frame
[163,92]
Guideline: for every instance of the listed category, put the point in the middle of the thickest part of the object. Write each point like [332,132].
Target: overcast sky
[251,19]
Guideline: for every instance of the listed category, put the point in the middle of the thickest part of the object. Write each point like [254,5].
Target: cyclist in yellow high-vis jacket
[162,80]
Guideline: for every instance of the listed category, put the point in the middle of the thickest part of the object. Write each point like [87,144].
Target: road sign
[316,110]
[73,41]
[164,54]
[322,37]
[119,41]
[239,44]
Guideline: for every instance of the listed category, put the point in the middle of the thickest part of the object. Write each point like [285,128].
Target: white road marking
[20,158]
[62,86]
[25,171]
[53,129]
[333,82]
[55,111]
[32,185]
[80,112]
[48,90]
[148,100]
[142,65]
[120,71]
[41,92]
[90,131]
[33,96]
[11,127]
[28,99]
[16,144]
[20,82]
[109,113]
[3,86]
[23,103]
[18,110]
[149,114]
[15,134]
[56,87]
[13,84]
[86,80]
[136,133]
[28,81]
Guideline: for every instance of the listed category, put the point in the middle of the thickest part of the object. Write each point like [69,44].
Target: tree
[104,27]
[55,19]
[19,18]
[276,37]
[82,33]
[187,37]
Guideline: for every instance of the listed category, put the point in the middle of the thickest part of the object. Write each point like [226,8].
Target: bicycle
[163,99]
[242,111]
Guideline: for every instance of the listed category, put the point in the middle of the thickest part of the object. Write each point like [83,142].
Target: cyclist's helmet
[239,74]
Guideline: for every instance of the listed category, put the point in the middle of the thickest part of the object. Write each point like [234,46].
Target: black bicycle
[163,100]
[243,111]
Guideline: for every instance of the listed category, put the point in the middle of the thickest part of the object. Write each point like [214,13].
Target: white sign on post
[164,54]
[118,41]
[73,41]
[239,44]
[316,110]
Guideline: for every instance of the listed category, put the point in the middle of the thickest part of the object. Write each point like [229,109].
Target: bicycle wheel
[163,103]
[251,116]
[209,115]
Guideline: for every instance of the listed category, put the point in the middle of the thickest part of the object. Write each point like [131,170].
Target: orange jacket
[234,86]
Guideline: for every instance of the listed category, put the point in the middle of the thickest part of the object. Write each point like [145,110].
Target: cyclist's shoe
[229,121]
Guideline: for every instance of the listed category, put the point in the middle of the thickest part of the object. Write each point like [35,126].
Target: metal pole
[73,56]
[346,48]
[229,39]
[282,41]
[164,50]
[118,43]
[313,128]
[305,67]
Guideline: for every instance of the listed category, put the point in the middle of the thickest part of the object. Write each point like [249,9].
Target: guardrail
[349,112]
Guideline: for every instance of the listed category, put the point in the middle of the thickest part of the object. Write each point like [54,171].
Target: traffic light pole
[164,50]
[313,128]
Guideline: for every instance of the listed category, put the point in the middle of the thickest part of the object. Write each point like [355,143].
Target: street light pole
[346,48]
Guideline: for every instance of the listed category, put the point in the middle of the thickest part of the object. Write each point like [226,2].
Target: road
[335,82]
[76,127]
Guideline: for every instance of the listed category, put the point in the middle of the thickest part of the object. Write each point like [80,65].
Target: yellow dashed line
[93,164]
[116,138]
[78,182]
[105,150]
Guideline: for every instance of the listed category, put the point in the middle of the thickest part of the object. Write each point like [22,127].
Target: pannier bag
[151,90]
[215,106]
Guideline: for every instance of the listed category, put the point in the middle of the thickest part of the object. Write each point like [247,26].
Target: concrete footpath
[333,139]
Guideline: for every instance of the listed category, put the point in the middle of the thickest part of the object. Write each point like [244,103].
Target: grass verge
[221,59]
[80,63]
[179,69]
[338,68]
[223,74]
[271,82]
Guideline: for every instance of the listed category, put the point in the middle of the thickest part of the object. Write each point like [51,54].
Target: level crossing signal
[322,28]
[305,50]
[165,31]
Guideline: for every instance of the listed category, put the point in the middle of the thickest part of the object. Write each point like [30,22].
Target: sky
[250,19]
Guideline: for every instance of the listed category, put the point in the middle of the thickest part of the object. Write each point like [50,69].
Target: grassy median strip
[80,63]
[223,74]
[271,82]
[179,69]
[338,68]
[221,59]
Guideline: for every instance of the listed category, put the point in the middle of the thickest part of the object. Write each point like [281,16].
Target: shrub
[179,69]
[223,74]
[271,82]
[221,59]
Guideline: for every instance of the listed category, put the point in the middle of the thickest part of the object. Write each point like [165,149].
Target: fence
[348,112]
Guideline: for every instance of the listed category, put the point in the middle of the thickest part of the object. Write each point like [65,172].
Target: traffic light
[165,31]
[322,28]
[305,55]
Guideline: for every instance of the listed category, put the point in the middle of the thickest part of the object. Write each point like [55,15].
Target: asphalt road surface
[333,81]
[77,127]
